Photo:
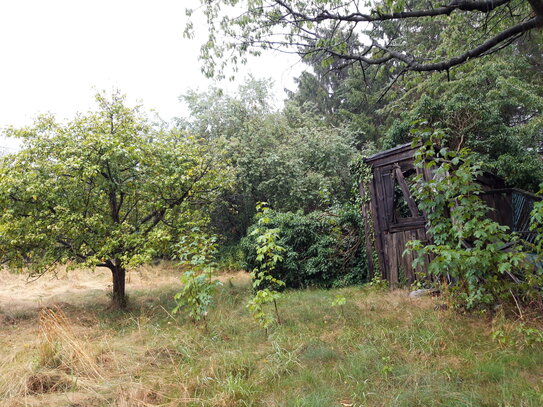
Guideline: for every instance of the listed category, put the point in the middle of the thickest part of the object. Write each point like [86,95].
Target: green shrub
[197,251]
[322,249]
[268,255]
[483,261]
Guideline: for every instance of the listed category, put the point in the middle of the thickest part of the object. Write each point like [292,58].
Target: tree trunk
[118,298]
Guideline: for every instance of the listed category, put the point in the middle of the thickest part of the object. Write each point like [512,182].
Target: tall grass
[61,348]
[386,349]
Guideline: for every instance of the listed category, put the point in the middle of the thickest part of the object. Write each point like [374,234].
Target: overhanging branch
[411,64]
[484,6]
[481,50]
[299,17]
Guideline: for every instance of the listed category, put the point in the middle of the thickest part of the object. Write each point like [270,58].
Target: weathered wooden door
[397,219]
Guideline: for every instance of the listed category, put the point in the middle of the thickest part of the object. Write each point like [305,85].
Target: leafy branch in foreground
[482,262]
[265,285]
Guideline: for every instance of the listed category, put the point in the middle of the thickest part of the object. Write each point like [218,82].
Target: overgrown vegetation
[315,357]
[322,249]
[475,259]
[288,158]
[113,189]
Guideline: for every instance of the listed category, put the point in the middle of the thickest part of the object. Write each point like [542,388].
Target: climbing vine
[364,178]
[480,261]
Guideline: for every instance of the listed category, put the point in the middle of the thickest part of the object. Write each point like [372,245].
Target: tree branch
[483,6]
[481,50]
[72,249]
[487,47]
[157,215]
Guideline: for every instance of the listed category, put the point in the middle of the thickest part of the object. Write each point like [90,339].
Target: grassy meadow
[381,349]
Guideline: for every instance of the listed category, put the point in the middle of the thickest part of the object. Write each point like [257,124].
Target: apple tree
[106,189]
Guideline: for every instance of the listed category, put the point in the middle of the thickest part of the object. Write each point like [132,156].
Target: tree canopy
[374,33]
[107,189]
[289,158]
[491,105]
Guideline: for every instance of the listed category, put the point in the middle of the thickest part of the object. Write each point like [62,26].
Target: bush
[323,249]
[483,261]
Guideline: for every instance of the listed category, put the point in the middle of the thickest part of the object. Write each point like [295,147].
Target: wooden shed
[396,218]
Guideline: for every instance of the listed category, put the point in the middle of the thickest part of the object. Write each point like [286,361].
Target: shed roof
[402,153]
[406,152]
[389,152]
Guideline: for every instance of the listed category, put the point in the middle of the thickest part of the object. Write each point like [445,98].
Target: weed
[281,361]
[340,301]
[377,284]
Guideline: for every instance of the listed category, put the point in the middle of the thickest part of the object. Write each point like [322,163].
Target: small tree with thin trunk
[107,189]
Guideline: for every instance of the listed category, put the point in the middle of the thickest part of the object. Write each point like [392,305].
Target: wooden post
[379,222]
[367,230]
[405,191]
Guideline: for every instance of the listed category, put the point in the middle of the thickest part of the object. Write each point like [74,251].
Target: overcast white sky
[56,53]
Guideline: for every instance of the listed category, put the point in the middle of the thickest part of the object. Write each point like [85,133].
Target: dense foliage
[480,261]
[105,189]
[289,158]
[322,249]
[492,108]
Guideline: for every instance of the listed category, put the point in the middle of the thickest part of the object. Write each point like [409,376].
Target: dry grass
[386,350]
[61,348]
[41,383]
[20,295]
[137,396]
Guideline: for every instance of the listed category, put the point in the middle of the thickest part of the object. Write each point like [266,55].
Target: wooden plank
[378,226]
[423,237]
[380,198]
[405,191]
[407,156]
[407,257]
[510,190]
[387,198]
[411,274]
[408,224]
[392,259]
[400,243]
[395,151]
[367,230]
[490,181]
[501,208]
